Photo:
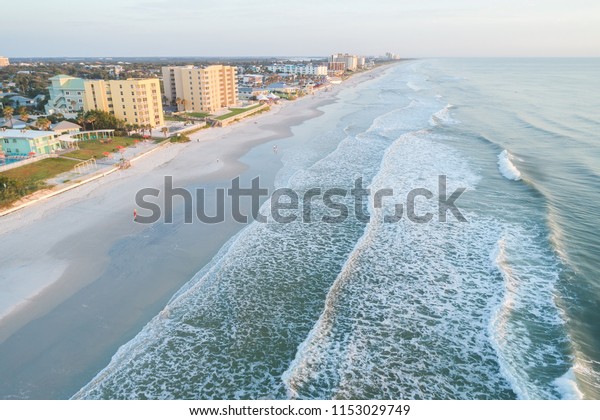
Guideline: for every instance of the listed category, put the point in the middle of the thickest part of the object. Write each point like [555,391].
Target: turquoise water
[8,161]
[504,305]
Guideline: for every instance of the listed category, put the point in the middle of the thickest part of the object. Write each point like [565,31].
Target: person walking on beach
[134,215]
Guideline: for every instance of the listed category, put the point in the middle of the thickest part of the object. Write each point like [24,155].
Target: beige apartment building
[4,61]
[136,101]
[201,89]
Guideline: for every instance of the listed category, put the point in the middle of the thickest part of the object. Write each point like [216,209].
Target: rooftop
[25,134]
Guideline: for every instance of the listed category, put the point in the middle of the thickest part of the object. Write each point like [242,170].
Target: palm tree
[81,121]
[8,114]
[164,130]
[91,119]
[23,113]
[42,123]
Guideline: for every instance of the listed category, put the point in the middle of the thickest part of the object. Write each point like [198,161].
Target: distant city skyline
[431,28]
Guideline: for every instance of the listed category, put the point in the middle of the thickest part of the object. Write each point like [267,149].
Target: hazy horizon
[235,28]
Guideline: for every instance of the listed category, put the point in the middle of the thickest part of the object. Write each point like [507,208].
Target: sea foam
[507,168]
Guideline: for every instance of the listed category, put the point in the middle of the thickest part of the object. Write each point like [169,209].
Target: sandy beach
[79,278]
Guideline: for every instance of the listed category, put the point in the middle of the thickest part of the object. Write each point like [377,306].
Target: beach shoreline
[91,278]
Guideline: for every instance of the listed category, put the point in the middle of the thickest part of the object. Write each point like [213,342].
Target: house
[14,123]
[251,79]
[28,142]
[66,127]
[246,93]
[282,87]
[19,100]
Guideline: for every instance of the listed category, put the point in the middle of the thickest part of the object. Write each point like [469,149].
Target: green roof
[69,82]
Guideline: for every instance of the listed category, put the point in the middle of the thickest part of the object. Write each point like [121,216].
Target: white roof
[65,125]
[68,139]
[27,134]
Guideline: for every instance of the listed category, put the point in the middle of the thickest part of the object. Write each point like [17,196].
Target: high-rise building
[136,101]
[201,89]
[309,69]
[4,61]
[350,61]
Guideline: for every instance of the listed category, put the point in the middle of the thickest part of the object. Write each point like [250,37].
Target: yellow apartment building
[201,89]
[136,101]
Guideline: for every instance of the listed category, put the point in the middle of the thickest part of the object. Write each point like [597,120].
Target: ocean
[503,305]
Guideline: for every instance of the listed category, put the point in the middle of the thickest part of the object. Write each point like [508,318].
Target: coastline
[112,276]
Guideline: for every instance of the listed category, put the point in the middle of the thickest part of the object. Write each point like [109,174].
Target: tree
[8,113]
[91,119]
[23,113]
[81,120]
[100,120]
[42,123]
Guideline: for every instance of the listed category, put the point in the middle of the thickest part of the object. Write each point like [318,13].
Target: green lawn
[236,111]
[94,149]
[198,114]
[40,170]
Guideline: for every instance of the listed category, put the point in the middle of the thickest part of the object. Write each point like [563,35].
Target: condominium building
[201,89]
[350,61]
[66,95]
[4,61]
[136,101]
[309,69]
[26,142]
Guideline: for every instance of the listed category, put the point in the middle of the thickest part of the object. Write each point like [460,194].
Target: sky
[424,28]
